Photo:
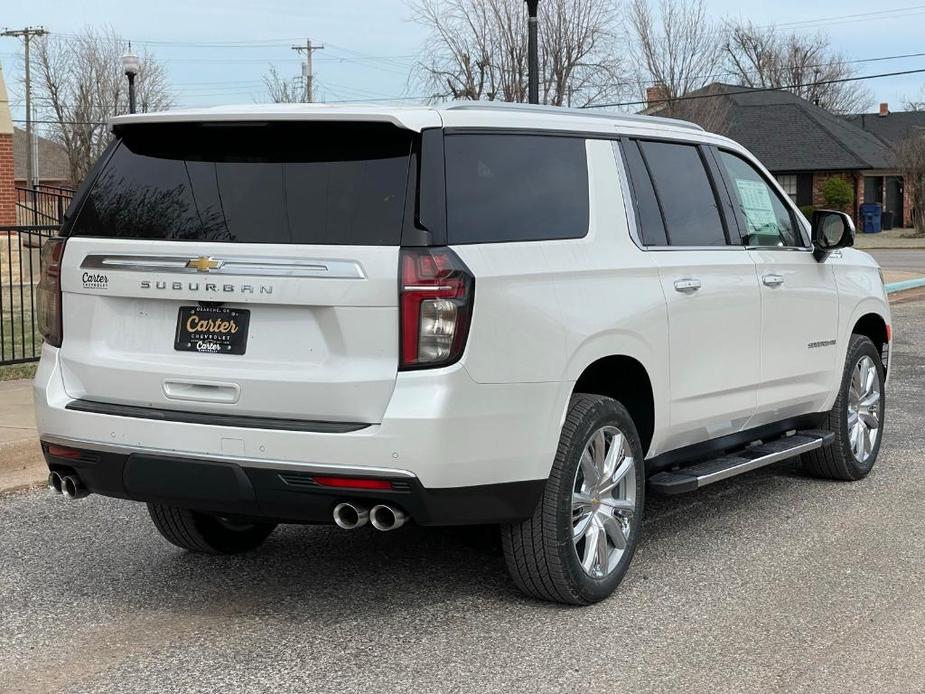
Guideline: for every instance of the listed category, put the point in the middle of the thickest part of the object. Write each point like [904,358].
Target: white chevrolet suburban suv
[467,314]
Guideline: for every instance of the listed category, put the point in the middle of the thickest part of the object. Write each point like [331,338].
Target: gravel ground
[768,582]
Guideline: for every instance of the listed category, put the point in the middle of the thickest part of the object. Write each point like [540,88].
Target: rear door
[710,288]
[799,299]
[248,269]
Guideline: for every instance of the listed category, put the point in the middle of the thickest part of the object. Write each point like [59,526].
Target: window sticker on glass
[757,206]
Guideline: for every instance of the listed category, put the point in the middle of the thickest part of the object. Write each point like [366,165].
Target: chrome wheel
[603,501]
[864,409]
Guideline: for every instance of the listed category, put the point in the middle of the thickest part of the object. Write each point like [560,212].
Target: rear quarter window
[510,187]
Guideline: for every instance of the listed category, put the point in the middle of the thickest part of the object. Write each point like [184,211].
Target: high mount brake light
[436,294]
[48,292]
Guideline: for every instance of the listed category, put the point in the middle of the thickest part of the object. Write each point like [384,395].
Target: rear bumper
[451,437]
[280,493]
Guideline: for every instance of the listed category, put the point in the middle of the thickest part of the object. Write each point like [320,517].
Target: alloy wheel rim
[864,409]
[603,501]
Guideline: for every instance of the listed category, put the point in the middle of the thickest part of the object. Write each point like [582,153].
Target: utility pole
[32,148]
[533,60]
[308,94]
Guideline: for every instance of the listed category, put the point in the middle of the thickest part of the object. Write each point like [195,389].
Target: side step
[687,479]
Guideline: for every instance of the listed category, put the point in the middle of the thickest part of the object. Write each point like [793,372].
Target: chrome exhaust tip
[55,482]
[72,487]
[350,517]
[387,518]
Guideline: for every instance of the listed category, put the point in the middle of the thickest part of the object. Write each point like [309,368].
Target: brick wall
[7,186]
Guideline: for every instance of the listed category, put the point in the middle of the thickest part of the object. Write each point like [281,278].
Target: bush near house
[838,193]
[807,211]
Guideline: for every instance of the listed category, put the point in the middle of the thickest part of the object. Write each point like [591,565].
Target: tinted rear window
[651,227]
[264,183]
[685,194]
[515,188]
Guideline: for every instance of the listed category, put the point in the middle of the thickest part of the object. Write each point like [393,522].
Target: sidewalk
[893,238]
[21,463]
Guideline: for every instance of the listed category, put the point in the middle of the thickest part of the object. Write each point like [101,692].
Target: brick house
[801,144]
[891,129]
[52,163]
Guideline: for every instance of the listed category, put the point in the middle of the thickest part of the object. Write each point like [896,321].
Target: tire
[540,553]
[205,533]
[840,460]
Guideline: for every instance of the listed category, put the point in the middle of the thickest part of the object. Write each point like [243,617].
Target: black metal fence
[20,271]
[44,204]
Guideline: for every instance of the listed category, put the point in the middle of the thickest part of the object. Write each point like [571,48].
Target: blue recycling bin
[871,215]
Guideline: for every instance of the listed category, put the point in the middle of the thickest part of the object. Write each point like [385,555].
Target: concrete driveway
[770,582]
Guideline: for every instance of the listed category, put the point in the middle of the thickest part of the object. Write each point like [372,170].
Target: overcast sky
[370,45]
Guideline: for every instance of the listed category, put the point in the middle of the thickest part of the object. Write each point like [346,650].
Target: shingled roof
[891,128]
[788,133]
[52,160]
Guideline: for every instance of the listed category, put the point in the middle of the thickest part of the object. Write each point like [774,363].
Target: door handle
[687,285]
[772,280]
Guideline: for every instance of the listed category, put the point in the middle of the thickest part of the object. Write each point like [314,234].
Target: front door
[799,300]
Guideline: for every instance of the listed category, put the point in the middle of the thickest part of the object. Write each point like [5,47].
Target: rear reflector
[63,452]
[352,482]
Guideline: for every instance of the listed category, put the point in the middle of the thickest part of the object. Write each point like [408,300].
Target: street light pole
[130,65]
[533,60]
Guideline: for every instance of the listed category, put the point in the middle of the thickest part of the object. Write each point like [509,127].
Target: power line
[750,90]
[879,14]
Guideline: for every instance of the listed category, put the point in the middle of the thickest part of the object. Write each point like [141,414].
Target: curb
[893,287]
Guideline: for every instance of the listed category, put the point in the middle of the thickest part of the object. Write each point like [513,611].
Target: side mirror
[831,230]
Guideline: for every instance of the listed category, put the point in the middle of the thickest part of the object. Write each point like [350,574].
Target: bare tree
[477,49]
[910,155]
[916,103]
[808,66]
[677,49]
[280,90]
[80,86]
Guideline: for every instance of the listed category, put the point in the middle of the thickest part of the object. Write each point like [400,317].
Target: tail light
[48,292]
[436,295]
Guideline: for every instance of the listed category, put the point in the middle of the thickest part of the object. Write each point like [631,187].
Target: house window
[789,183]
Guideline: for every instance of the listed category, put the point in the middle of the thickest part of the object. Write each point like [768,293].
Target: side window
[651,227]
[515,188]
[685,194]
[768,221]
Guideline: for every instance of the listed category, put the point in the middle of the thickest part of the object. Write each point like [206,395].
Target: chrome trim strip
[756,463]
[321,468]
[259,267]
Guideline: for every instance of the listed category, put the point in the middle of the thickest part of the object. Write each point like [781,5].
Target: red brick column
[7,186]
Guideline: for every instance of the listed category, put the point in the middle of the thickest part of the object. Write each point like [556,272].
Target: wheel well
[873,326]
[625,379]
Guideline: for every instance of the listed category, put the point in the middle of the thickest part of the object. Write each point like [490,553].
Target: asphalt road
[904,260]
[770,582]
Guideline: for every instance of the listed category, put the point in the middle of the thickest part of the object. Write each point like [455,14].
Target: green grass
[18,334]
[17,371]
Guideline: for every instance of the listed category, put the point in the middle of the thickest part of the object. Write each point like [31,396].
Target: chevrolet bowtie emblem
[204,264]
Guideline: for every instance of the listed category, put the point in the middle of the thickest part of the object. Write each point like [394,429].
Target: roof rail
[565,111]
